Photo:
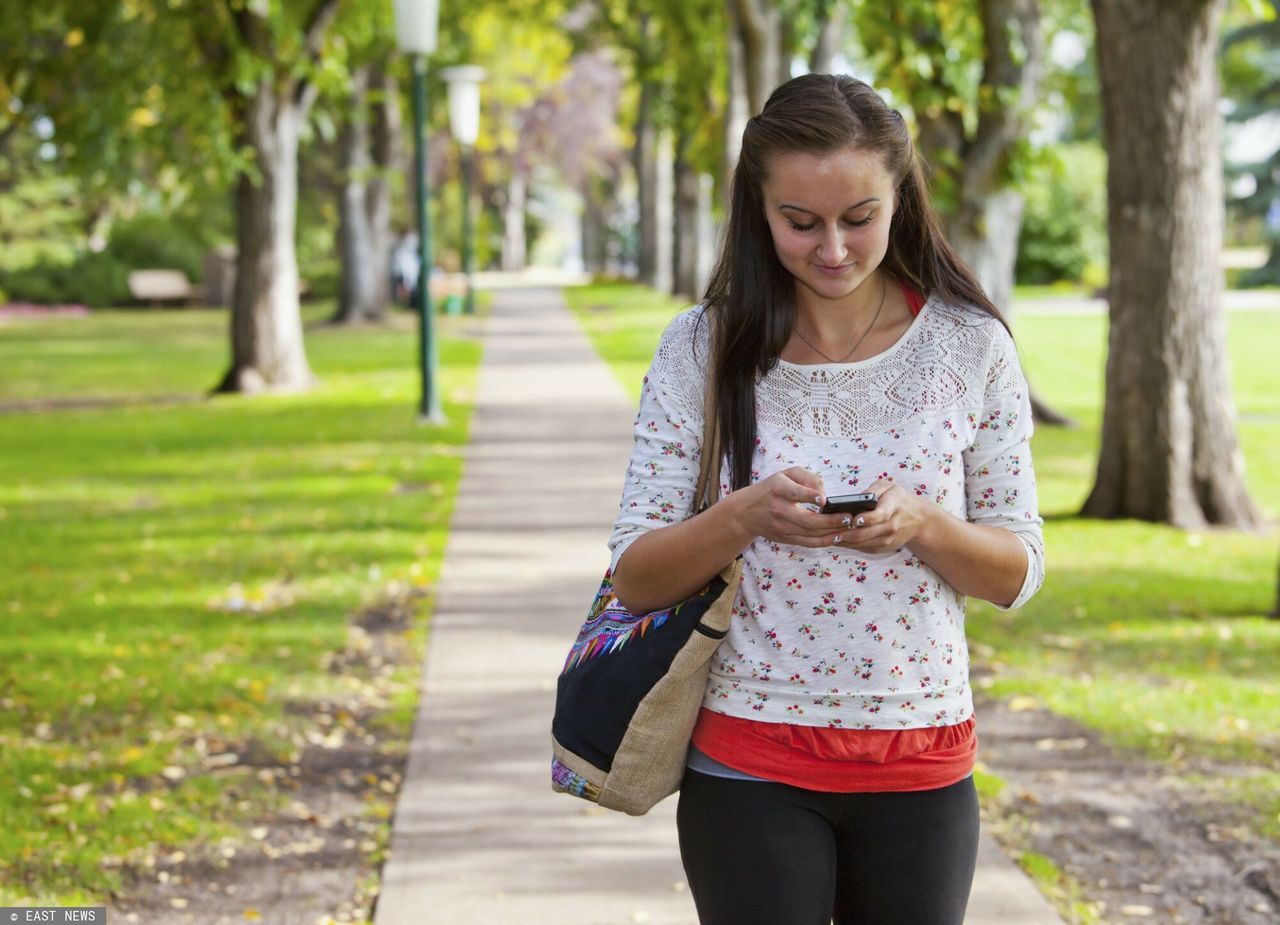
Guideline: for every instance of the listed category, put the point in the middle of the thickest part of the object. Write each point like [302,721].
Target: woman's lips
[833,271]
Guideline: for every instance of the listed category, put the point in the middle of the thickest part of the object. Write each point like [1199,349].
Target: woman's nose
[831,249]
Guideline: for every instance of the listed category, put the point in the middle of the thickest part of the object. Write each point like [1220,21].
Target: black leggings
[762,853]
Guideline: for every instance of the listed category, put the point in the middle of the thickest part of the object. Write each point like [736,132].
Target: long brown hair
[750,298]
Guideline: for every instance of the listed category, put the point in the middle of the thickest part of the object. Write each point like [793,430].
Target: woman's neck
[867,322]
[840,321]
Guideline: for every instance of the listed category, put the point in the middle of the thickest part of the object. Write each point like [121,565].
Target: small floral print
[826,607]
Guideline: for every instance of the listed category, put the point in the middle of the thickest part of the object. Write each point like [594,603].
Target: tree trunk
[706,233]
[664,201]
[514,247]
[267,351]
[1169,450]
[1275,611]
[687,239]
[738,105]
[986,219]
[644,161]
[786,45]
[759,28]
[387,147]
[988,242]
[831,19]
[357,284]
[595,226]
[988,214]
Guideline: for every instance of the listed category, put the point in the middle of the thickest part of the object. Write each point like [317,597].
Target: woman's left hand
[899,518]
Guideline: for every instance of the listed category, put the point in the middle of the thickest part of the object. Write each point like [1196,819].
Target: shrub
[158,242]
[1064,225]
[97,280]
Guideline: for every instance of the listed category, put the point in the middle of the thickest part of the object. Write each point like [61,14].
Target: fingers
[805,477]
[813,542]
[805,486]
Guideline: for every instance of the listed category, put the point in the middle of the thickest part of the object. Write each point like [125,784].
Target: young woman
[851,351]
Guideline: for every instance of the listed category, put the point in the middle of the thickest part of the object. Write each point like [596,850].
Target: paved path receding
[479,838]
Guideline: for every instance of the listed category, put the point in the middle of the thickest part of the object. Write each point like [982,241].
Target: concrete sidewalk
[479,838]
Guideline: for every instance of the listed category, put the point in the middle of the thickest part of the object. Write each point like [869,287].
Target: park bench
[163,287]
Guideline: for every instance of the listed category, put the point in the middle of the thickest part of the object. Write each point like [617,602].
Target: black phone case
[848,507]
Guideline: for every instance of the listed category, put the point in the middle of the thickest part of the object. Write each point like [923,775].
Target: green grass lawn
[175,577]
[1153,636]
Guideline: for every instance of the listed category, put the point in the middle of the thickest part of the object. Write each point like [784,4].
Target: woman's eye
[812,225]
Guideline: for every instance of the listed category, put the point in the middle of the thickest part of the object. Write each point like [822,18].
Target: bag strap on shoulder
[708,487]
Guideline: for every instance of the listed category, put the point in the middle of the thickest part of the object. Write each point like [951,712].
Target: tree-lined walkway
[479,837]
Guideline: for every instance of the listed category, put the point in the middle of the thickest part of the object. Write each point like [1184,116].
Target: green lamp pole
[464,124]
[416,22]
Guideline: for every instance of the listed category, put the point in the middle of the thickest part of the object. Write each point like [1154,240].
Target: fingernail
[837,540]
[817,499]
[847,520]
[861,521]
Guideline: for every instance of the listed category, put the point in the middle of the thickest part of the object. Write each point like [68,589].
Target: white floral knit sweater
[834,637]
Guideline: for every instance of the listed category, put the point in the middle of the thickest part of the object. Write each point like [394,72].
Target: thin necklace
[858,343]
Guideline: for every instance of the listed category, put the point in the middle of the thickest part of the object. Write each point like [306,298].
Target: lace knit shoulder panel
[942,363]
[663,472]
[679,366]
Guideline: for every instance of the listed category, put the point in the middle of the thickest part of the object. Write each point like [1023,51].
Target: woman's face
[829,215]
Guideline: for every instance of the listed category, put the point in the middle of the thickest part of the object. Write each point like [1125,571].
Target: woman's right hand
[774,509]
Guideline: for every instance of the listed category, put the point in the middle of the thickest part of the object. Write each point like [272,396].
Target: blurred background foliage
[109,165]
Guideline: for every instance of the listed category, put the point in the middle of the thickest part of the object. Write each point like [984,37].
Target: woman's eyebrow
[856,205]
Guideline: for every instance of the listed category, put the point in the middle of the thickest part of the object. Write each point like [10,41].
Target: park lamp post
[464,124]
[416,23]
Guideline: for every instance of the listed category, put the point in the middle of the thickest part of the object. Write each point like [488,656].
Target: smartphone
[849,504]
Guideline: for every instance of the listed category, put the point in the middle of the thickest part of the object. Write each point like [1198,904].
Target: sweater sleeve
[1000,484]
[663,472]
